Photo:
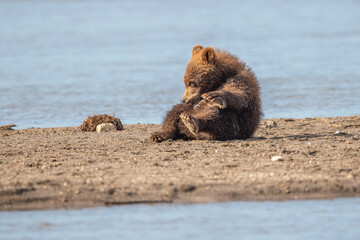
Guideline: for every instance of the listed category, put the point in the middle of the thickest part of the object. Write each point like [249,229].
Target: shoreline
[50,168]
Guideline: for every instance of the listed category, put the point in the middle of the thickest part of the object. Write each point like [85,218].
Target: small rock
[277,158]
[270,124]
[187,188]
[105,127]
[111,191]
[356,137]
[350,176]
[340,133]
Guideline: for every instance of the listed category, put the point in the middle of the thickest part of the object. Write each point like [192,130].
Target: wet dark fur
[221,100]
[91,123]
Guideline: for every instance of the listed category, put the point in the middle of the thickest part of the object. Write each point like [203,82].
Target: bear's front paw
[158,137]
[215,98]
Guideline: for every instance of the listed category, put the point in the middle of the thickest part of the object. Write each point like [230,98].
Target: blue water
[61,61]
[325,219]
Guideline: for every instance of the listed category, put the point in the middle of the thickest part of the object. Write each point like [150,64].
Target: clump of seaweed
[91,123]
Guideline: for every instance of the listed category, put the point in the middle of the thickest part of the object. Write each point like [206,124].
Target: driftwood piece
[7,127]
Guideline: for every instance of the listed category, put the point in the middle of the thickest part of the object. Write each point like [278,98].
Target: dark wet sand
[66,168]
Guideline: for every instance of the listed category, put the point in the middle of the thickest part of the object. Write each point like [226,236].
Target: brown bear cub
[221,100]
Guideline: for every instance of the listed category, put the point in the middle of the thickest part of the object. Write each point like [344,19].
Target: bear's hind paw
[190,122]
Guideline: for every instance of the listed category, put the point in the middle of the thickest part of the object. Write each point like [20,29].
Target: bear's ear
[208,55]
[196,49]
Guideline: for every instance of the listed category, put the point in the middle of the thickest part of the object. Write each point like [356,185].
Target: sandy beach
[47,168]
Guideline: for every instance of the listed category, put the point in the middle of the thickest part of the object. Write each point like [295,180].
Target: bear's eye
[192,84]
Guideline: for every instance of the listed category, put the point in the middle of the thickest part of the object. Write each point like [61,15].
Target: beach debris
[277,158]
[105,127]
[329,123]
[270,124]
[226,145]
[7,127]
[289,120]
[92,122]
[340,133]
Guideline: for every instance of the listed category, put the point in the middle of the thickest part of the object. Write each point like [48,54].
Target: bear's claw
[216,99]
[190,122]
[207,97]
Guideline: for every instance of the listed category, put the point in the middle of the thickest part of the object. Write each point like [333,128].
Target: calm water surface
[326,219]
[61,61]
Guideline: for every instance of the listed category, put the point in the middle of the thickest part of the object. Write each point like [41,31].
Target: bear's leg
[190,122]
[170,128]
[202,122]
[207,121]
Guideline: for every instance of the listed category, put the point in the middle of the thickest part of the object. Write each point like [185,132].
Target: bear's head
[201,74]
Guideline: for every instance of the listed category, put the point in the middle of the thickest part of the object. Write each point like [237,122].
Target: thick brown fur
[221,100]
[91,123]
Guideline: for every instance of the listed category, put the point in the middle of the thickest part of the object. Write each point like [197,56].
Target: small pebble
[277,158]
[339,133]
[356,137]
[350,176]
[270,124]
[105,127]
